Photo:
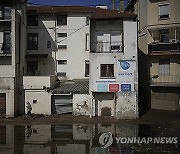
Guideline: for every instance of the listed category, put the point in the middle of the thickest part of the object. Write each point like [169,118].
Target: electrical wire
[72,33]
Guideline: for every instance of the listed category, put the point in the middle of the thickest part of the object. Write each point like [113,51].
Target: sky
[75,2]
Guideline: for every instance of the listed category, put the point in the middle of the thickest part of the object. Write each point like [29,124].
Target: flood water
[85,139]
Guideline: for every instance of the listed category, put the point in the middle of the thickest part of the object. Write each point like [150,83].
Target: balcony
[5,49]
[164,48]
[38,82]
[165,80]
[106,47]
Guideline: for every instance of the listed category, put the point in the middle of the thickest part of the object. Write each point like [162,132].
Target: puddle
[86,139]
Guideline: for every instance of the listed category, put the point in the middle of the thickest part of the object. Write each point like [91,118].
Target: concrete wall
[81,105]
[75,54]
[46,32]
[122,104]
[153,16]
[43,104]
[165,101]
[37,82]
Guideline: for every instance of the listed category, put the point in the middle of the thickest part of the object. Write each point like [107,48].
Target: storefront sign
[102,87]
[113,87]
[126,87]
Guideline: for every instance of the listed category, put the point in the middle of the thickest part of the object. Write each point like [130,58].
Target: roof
[72,86]
[96,13]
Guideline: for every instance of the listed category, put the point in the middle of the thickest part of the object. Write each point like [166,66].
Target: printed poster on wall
[125,70]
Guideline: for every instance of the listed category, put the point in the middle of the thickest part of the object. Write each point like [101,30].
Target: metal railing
[102,47]
[164,47]
[165,79]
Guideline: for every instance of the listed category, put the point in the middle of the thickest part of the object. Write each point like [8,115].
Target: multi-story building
[58,43]
[12,48]
[159,35]
[113,65]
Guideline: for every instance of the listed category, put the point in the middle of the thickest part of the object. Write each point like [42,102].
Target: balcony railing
[5,48]
[165,80]
[164,47]
[103,47]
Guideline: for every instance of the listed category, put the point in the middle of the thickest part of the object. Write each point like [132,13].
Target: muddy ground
[167,120]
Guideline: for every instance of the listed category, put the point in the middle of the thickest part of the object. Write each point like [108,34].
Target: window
[32,41]
[62,61]
[32,67]
[164,66]
[62,20]
[62,46]
[61,74]
[6,12]
[32,20]
[164,35]
[87,20]
[6,41]
[107,70]
[163,11]
[87,42]
[62,34]
[48,44]
[86,68]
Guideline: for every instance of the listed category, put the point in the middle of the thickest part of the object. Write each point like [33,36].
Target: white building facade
[12,49]
[113,66]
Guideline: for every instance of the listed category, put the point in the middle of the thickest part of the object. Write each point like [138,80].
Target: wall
[75,54]
[7,86]
[43,104]
[81,105]
[120,105]
[46,32]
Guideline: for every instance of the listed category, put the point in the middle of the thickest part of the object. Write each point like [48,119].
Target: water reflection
[77,139]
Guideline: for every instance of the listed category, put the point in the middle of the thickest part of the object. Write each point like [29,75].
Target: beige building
[159,36]
[12,47]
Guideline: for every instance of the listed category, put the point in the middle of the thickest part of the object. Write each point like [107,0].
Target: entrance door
[62,104]
[2,105]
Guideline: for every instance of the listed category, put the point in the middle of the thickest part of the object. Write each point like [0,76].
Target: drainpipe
[121,5]
[113,4]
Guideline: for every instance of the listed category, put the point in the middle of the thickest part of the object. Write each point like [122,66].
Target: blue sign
[102,87]
[125,87]
[124,65]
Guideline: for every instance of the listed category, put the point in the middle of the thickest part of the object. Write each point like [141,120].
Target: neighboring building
[159,35]
[113,65]
[12,49]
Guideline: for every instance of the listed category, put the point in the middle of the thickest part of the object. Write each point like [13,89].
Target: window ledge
[165,18]
[107,77]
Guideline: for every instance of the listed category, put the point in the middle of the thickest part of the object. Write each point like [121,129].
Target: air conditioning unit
[174,41]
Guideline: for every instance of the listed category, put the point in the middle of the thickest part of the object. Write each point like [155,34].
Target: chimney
[121,5]
[113,4]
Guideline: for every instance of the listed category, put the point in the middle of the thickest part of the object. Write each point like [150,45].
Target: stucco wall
[81,105]
[43,104]
[75,54]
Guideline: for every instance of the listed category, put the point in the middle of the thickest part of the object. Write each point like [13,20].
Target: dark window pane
[107,70]
[32,41]
[32,20]
[62,20]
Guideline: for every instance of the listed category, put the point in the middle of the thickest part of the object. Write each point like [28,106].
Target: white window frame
[164,15]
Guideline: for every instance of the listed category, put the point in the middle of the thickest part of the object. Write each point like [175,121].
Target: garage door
[62,104]
[2,105]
